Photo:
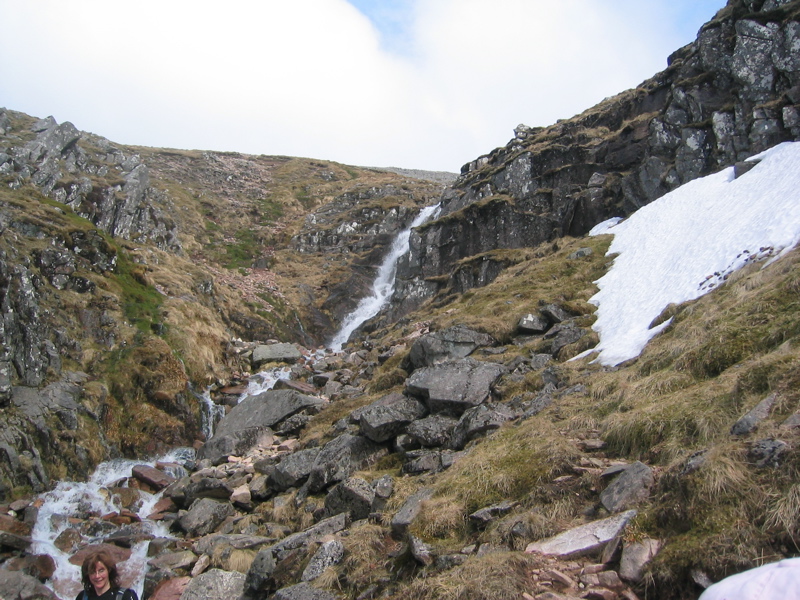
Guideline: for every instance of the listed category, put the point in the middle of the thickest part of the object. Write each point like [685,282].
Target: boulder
[259,580]
[294,469]
[340,457]
[204,516]
[532,324]
[215,584]
[454,386]
[635,556]
[287,353]
[628,488]
[449,344]
[584,540]
[155,478]
[384,419]
[478,420]
[170,589]
[434,430]
[353,496]
[174,560]
[313,534]
[252,418]
[21,586]
[303,591]
[329,553]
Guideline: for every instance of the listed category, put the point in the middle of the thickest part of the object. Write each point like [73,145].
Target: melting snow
[684,244]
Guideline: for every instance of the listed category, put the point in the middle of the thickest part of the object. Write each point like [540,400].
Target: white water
[383,286]
[72,499]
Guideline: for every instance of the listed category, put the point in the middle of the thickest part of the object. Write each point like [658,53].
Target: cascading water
[383,286]
[96,497]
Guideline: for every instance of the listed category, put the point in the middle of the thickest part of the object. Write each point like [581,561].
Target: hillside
[143,288]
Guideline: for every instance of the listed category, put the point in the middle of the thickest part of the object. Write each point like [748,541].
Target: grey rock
[434,430]
[259,578]
[420,551]
[206,487]
[629,487]
[212,543]
[204,516]
[748,422]
[252,418]
[383,486]
[303,591]
[173,560]
[384,419]
[294,469]
[479,420]
[330,553]
[215,584]
[452,343]
[21,586]
[491,513]
[562,335]
[409,511]
[275,353]
[635,556]
[340,457]
[555,313]
[533,324]
[584,540]
[453,387]
[353,496]
[768,452]
[313,534]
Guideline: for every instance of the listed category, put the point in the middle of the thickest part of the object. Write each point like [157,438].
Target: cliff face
[728,95]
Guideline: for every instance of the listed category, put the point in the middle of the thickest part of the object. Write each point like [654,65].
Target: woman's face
[98,575]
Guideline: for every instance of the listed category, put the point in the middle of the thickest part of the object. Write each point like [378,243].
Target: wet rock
[330,553]
[628,488]
[583,540]
[155,478]
[453,387]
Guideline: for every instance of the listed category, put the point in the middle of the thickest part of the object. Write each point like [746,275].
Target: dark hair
[89,564]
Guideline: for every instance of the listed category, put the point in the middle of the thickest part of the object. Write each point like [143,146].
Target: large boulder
[204,516]
[253,418]
[584,540]
[384,419]
[449,344]
[215,584]
[454,386]
[275,353]
[340,457]
[294,469]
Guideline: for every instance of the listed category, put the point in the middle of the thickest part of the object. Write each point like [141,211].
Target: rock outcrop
[725,97]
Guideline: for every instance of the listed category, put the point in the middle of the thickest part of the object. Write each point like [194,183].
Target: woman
[101,580]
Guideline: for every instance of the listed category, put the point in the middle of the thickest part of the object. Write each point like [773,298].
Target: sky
[425,84]
[684,244]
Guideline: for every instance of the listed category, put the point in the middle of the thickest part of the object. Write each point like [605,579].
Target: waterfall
[383,286]
[78,499]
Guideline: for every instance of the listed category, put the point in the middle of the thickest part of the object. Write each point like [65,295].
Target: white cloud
[314,78]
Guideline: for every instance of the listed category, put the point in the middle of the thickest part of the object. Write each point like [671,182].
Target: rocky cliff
[728,95]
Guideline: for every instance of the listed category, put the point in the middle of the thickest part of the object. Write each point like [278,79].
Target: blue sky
[428,84]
